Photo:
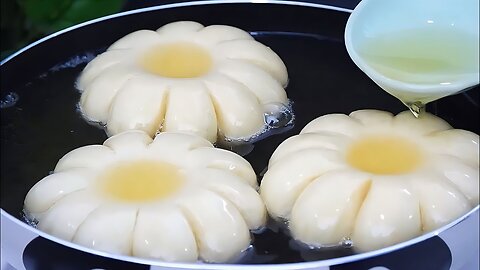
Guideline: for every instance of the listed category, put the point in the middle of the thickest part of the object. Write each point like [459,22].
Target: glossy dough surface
[229,98]
[311,183]
[207,216]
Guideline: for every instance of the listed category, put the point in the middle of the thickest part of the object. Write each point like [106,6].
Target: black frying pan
[40,121]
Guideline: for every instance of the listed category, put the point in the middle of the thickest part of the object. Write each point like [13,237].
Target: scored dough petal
[219,228]
[179,29]
[336,122]
[90,156]
[235,190]
[108,228]
[66,215]
[214,34]
[371,118]
[324,213]
[460,143]
[98,95]
[389,214]
[238,112]
[216,158]
[164,233]
[440,202]
[256,53]
[463,176]
[128,141]
[190,109]
[266,88]
[140,38]
[55,186]
[326,140]
[285,180]
[140,105]
[98,65]
[173,147]
[425,124]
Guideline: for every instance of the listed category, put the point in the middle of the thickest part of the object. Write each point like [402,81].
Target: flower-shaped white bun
[184,77]
[176,198]
[375,178]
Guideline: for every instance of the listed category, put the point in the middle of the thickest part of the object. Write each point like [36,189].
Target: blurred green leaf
[24,21]
[53,15]
[11,22]
[82,10]
[44,11]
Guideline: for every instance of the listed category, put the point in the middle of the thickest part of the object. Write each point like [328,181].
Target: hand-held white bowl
[418,51]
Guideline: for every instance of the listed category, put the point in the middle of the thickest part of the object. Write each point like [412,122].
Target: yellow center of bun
[384,155]
[141,180]
[177,60]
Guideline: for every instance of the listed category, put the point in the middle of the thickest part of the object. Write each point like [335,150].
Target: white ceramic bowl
[374,18]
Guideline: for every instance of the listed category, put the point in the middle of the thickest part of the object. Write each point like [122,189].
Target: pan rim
[207,266]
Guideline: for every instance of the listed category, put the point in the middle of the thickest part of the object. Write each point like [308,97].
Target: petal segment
[139,105]
[98,65]
[325,212]
[66,215]
[265,87]
[440,202]
[55,186]
[337,123]
[324,140]
[219,228]
[108,228]
[97,98]
[190,109]
[136,39]
[128,142]
[425,124]
[371,118]
[235,190]
[287,178]
[239,114]
[389,214]
[85,157]
[179,29]
[174,147]
[164,233]
[460,143]
[256,53]
[215,158]
[214,34]
[463,176]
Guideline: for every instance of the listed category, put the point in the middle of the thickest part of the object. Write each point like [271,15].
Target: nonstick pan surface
[40,121]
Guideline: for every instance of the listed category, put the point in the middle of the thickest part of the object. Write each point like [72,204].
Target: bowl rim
[200,265]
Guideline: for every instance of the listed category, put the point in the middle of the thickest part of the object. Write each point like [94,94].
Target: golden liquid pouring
[384,155]
[422,56]
[177,60]
[141,180]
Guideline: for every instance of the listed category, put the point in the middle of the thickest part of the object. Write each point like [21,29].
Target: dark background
[24,21]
